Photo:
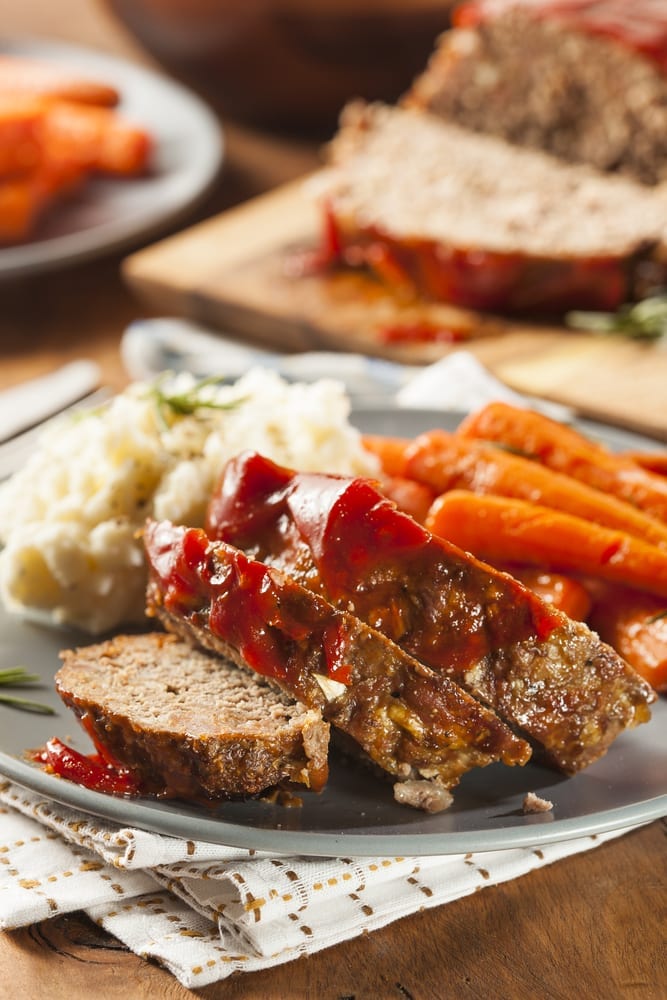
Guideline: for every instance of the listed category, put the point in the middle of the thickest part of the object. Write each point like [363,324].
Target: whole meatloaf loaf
[189,725]
[585,80]
[550,678]
[416,725]
[438,211]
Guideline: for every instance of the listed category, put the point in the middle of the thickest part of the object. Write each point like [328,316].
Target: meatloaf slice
[189,725]
[547,676]
[413,723]
[441,212]
[584,81]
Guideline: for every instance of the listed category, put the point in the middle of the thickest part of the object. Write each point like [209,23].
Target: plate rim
[326,844]
[535,830]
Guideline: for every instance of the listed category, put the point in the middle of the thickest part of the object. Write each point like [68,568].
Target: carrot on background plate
[635,624]
[20,206]
[446,461]
[20,122]
[94,138]
[505,530]
[57,129]
[565,450]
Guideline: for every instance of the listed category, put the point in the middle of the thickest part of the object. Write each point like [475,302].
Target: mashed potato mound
[69,518]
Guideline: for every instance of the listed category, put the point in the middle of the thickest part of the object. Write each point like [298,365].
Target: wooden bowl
[288,63]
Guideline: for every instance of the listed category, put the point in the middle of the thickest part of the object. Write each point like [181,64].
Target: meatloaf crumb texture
[548,677]
[539,82]
[190,725]
[572,693]
[410,721]
[465,190]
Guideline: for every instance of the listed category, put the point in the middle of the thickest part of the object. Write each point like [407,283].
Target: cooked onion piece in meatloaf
[584,81]
[442,212]
[547,676]
[415,724]
[189,725]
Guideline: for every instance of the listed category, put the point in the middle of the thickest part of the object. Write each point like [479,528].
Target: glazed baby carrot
[446,461]
[561,591]
[409,496]
[652,461]
[567,451]
[502,530]
[94,138]
[19,207]
[19,135]
[56,130]
[390,450]
[635,624]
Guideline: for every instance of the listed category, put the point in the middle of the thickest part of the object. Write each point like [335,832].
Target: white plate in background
[111,213]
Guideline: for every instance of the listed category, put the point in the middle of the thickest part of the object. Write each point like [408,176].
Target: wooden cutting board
[241,272]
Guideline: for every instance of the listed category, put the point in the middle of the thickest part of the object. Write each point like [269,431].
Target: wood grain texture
[591,926]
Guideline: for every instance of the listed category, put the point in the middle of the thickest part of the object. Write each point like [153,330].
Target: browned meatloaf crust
[551,678]
[470,219]
[190,725]
[413,723]
[540,80]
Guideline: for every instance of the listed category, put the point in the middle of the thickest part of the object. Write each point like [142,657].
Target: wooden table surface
[592,926]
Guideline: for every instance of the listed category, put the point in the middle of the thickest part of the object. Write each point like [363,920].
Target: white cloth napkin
[206,911]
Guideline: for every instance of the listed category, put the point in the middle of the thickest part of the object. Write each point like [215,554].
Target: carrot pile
[584,527]
[57,130]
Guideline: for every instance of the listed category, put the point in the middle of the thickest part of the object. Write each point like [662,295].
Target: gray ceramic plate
[356,813]
[109,214]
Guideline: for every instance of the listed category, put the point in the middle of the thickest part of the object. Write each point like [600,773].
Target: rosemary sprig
[645,320]
[18,677]
[188,401]
[25,705]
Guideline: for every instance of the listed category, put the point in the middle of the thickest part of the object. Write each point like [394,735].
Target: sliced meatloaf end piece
[585,82]
[189,725]
[443,213]
[549,677]
[413,723]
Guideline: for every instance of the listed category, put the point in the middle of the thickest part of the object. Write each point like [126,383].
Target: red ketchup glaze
[341,538]
[422,332]
[641,25]
[304,262]
[239,600]
[472,279]
[483,279]
[94,771]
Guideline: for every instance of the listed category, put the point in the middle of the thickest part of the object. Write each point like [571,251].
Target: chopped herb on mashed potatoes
[69,518]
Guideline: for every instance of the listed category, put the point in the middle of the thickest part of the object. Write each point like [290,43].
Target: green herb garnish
[645,320]
[18,677]
[188,401]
